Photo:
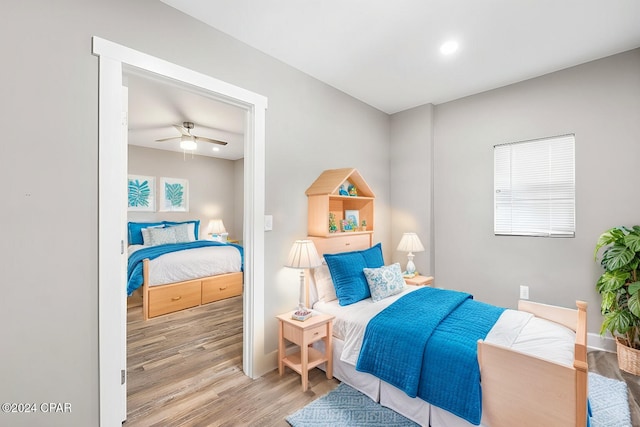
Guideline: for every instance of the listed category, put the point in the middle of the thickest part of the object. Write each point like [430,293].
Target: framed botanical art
[141,193]
[174,195]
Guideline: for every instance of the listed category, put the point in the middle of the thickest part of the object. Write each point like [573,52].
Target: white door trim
[112,202]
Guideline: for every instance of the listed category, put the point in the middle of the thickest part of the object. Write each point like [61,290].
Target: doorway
[115,59]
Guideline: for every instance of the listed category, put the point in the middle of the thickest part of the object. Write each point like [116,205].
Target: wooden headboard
[342,242]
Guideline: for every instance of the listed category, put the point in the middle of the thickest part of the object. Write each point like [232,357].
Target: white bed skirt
[415,409]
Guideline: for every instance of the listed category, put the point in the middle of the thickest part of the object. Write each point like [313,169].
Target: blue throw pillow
[135,231]
[347,272]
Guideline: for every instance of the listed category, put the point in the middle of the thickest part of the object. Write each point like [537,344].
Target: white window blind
[534,187]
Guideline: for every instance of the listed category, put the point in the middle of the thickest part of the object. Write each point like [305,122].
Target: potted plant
[619,287]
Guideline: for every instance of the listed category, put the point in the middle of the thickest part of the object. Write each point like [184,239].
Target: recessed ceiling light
[216,148]
[449,47]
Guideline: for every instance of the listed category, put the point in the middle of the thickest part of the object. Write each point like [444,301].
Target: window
[534,187]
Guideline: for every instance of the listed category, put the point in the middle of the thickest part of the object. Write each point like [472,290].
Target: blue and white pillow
[384,281]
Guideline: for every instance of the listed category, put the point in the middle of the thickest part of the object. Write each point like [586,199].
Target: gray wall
[213,190]
[600,103]
[411,176]
[49,88]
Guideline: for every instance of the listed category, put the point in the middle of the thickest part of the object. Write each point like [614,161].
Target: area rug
[609,402]
[347,407]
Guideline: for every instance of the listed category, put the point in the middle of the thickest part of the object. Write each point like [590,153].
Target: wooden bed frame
[164,299]
[521,389]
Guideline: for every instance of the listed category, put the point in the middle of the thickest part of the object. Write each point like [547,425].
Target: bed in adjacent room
[176,271]
[421,351]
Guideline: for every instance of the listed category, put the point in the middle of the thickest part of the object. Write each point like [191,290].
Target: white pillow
[324,284]
[192,232]
[146,239]
[162,236]
[384,281]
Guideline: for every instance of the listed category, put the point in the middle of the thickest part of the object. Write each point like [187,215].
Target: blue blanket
[426,345]
[134,264]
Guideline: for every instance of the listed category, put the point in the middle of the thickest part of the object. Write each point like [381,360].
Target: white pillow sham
[324,285]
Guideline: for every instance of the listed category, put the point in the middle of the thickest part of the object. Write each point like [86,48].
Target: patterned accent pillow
[384,281]
[146,238]
[182,233]
[162,236]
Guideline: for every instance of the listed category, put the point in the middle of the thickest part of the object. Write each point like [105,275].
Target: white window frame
[534,187]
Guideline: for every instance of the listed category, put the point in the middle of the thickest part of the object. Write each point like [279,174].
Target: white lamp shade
[188,142]
[410,242]
[216,226]
[303,254]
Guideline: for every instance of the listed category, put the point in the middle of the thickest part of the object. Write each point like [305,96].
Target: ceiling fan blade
[167,139]
[213,141]
[183,130]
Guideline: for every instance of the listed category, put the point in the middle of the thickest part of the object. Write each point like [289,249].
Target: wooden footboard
[164,299]
[519,389]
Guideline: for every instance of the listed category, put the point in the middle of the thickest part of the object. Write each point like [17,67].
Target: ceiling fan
[187,140]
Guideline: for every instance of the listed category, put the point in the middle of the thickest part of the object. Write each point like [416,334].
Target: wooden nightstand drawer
[312,335]
[170,298]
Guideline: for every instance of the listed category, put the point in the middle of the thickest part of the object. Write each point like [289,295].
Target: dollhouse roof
[329,182]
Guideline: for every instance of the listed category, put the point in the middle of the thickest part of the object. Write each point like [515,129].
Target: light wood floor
[185,369]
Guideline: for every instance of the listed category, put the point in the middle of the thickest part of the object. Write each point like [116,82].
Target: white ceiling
[386,52]
[156,105]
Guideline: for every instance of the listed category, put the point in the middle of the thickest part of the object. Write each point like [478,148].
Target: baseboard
[598,342]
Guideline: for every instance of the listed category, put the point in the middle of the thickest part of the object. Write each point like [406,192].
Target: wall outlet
[524,292]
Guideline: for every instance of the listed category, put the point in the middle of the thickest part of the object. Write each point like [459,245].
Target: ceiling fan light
[188,142]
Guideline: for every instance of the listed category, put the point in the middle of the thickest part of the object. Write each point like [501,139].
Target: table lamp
[410,243]
[303,256]
[217,230]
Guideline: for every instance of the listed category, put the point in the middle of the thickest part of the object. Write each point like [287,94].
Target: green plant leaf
[611,281]
[617,321]
[634,304]
[606,238]
[608,302]
[632,241]
[616,257]
[633,288]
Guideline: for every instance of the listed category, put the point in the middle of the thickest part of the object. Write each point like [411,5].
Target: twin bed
[532,361]
[176,271]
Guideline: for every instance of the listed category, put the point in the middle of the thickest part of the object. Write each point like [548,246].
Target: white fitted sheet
[192,264]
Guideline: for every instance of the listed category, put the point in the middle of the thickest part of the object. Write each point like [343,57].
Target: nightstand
[420,281]
[304,334]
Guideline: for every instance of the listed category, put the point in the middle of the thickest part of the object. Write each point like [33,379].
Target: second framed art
[174,195]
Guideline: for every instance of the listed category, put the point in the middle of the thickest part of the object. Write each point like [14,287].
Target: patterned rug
[609,402]
[347,407]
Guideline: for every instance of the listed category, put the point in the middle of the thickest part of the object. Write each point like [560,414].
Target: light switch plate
[268,222]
